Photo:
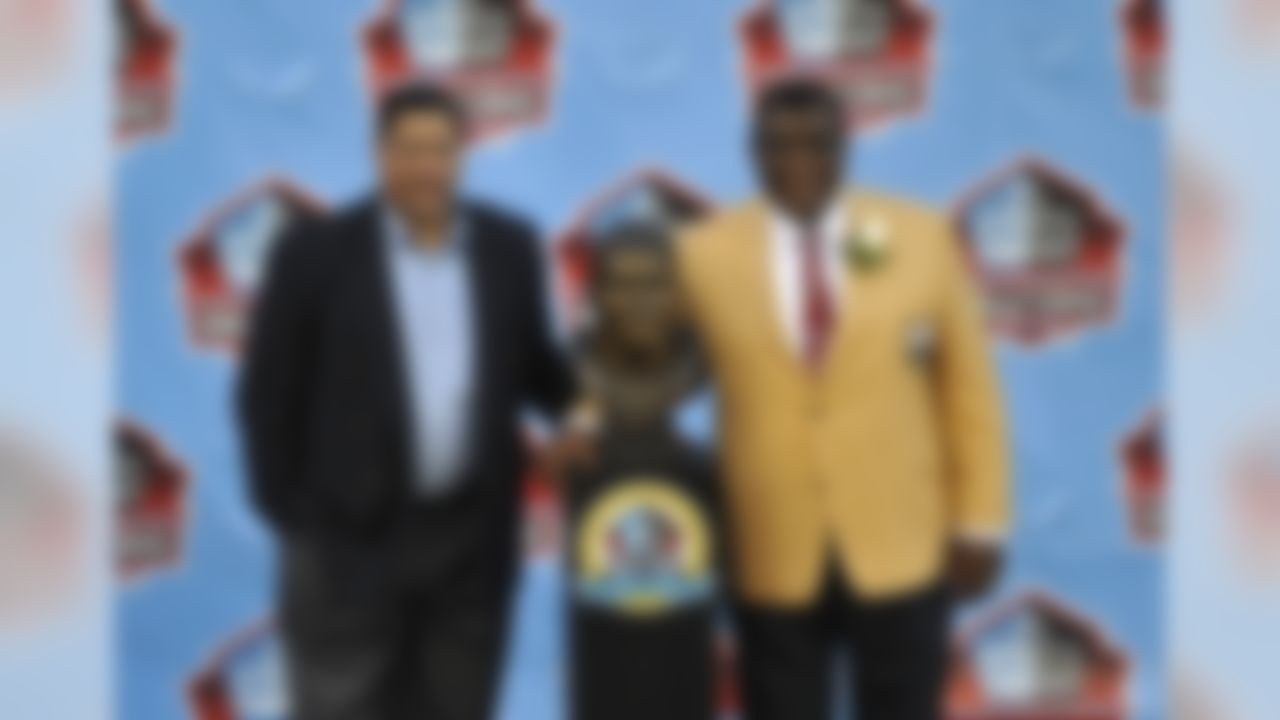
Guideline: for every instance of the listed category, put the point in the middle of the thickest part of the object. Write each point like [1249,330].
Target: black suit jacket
[323,401]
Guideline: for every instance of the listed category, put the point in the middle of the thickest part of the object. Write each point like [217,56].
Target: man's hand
[974,567]
[575,447]
[572,450]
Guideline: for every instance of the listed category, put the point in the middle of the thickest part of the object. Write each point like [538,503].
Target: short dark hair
[421,97]
[798,94]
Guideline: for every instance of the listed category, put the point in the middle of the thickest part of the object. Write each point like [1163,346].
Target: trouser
[897,652]
[371,634]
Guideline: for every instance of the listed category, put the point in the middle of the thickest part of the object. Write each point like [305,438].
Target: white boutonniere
[868,247]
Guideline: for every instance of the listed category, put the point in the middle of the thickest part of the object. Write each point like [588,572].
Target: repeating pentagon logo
[1034,658]
[875,53]
[223,261]
[1143,26]
[145,56]
[151,496]
[1047,253]
[244,680]
[497,54]
[648,196]
[1145,483]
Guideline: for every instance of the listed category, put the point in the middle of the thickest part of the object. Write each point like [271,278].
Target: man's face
[420,160]
[799,157]
[637,302]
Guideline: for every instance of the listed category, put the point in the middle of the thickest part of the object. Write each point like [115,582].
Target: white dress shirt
[786,237]
[431,288]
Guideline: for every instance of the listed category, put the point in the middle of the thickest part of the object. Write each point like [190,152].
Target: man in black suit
[393,348]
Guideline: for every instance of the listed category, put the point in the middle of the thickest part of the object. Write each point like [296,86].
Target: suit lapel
[376,294]
[487,290]
[863,292]
[761,285]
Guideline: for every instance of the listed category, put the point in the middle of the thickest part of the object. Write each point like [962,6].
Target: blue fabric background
[275,87]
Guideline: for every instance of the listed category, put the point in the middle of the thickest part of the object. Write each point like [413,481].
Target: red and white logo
[1144,30]
[648,196]
[497,54]
[223,262]
[1033,658]
[1046,251]
[145,57]
[245,679]
[875,53]
[1145,483]
[151,492]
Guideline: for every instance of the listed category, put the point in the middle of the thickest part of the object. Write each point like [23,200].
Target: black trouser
[387,633]
[897,652]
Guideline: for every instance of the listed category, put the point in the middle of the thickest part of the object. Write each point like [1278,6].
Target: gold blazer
[876,459]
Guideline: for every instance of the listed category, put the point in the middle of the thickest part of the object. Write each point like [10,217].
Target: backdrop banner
[1034,125]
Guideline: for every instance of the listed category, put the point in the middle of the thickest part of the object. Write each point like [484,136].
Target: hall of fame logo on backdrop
[223,262]
[1046,252]
[875,53]
[151,488]
[649,196]
[144,53]
[1145,483]
[1145,49]
[497,54]
[244,680]
[644,548]
[1034,658]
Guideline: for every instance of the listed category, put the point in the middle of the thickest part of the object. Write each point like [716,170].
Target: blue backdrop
[281,89]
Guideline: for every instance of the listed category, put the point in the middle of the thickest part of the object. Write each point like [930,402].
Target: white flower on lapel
[869,245]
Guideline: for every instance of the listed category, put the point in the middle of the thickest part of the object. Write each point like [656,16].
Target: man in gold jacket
[861,432]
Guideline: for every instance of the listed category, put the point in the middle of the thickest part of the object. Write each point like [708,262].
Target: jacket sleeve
[550,382]
[973,420]
[271,396]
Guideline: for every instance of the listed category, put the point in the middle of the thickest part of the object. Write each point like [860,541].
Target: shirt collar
[398,236]
[830,222]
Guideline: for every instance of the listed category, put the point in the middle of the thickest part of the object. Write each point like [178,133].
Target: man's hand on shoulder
[574,448]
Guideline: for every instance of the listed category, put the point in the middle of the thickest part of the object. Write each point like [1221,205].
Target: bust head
[634,295]
[638,351]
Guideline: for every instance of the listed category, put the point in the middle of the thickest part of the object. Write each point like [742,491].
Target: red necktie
[819,310]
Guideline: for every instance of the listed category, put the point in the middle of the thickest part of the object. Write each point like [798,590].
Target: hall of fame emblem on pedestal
[644,548]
